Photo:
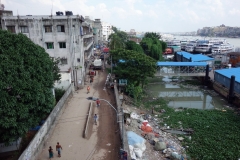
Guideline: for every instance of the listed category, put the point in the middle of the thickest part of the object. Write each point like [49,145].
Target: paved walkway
[70,127]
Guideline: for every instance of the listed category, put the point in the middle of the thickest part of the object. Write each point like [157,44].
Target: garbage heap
[143,129]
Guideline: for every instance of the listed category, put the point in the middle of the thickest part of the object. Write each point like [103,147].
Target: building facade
[65,37]
[98,35]
[106,30]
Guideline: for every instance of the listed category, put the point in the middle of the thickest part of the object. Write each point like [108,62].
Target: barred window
[60,28]
[24,29]
[63,61]
[48,29]
[50,45]
[11,29]
[62,44]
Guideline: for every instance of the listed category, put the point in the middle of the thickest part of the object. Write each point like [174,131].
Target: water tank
[68,13]
[59,13]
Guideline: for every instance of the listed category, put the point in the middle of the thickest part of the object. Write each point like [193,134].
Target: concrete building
[97,32]
[67,37]
[107,30]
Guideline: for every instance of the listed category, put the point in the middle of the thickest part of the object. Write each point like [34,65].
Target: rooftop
[200,64]
[230,72]
[195,57]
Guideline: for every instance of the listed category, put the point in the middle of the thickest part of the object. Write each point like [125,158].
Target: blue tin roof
[230,72]
[195,57]
[199,64]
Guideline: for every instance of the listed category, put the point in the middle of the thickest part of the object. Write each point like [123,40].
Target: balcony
[87,45]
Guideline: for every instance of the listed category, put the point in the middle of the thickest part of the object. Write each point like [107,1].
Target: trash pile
[143,128]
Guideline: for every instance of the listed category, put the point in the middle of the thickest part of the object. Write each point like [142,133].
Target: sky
[166,16]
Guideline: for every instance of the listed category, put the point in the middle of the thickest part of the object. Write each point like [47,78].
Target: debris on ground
[149,141]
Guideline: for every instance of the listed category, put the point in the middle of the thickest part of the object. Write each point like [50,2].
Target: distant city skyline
[141,15]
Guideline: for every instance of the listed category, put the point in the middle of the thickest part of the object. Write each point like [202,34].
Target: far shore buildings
[71,38]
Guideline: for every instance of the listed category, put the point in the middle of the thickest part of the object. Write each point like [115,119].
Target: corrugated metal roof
[230,72]
[195,57]
[181,64]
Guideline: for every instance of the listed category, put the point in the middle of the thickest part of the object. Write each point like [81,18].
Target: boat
[174,44]
[203,46]
[183,44]
[222,48]
[190,46]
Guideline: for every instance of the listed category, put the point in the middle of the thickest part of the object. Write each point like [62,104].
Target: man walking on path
[58,148]
[98,102]
[95,119]
[88,89]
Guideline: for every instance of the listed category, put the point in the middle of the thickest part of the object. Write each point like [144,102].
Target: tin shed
[223,77]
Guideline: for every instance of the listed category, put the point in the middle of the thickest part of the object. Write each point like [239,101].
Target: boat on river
[203,46]
[222,48]
[190,46]
[174,44]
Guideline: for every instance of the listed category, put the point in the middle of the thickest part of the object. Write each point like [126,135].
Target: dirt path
[108,143]
[103,142]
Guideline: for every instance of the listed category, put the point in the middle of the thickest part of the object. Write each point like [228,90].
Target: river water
[187,96]
[233,41]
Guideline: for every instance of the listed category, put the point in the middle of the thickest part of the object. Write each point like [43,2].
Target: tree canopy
[137,67]
[117,39]
[131,45]
[152,46]
[25,85]
[152,35]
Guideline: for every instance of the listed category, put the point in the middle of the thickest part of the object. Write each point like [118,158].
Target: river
[233,41]
[186,96]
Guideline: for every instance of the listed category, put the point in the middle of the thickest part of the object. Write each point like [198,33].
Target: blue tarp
[203,64]
[230,72]
[134,138]
[195,57]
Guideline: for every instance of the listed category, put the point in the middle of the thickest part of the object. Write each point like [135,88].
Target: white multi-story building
[67,37]
[107,30]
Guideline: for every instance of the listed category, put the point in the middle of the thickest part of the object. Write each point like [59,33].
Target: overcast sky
[141,15]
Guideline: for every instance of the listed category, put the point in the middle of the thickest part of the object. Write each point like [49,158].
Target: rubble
[159,143]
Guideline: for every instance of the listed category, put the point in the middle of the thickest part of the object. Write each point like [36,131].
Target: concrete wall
[123,133]
[39,140]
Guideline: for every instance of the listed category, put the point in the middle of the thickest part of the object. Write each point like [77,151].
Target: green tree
[56,70]
[136,68]
[153,47]
[25,85]
[131,45]
[115,42]
[152,35]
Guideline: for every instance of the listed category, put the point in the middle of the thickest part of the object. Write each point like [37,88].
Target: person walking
[50,151]
[58,148]
[88,89]
[98,102]
[95,119]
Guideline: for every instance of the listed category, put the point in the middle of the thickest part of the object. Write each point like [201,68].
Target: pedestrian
[88,89]
[95,119]
[98,102]
[58,148]
[50,150]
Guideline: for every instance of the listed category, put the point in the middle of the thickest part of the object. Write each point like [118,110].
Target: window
[11,29]
[63,61]
[62,44]
[50,45]
[48,29]
[24,29]
[60,28]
